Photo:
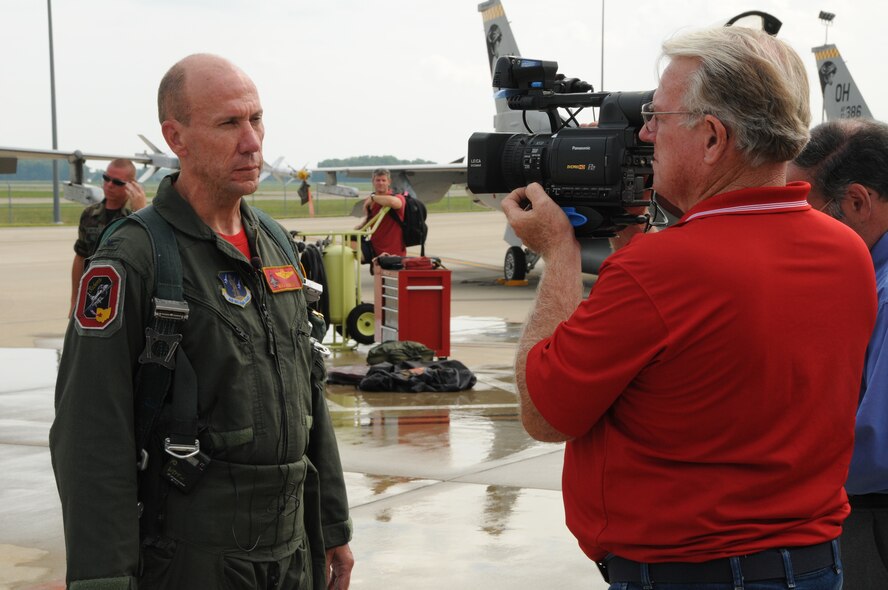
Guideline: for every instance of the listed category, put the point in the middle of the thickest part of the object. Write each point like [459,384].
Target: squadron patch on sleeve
[282,278]
[233,288]
[100,299]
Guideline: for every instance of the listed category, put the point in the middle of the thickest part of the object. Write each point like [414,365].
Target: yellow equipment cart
[351,318]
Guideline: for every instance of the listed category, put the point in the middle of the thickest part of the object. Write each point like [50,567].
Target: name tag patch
[233,288]
[282,278]
[98,298]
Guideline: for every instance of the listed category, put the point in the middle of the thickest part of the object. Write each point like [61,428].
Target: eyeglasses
[114,181]
[825,205]
[649,115]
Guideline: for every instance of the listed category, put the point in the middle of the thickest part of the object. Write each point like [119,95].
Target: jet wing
[76,190]
[427,182]
[30,154]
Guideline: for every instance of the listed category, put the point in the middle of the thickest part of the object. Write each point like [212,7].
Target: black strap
[183,427]
[162,357]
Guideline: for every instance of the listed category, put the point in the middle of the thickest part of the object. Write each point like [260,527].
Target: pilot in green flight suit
[268,435]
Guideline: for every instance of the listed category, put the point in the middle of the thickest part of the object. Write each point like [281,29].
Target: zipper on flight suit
[262,294]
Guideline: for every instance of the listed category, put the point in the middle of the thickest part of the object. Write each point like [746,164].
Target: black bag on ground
[395,351]
[347,375]
[418,376]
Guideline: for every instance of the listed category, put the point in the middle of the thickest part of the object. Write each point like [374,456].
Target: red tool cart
[414,305]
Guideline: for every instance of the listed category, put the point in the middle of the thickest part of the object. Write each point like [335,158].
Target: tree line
[37,170]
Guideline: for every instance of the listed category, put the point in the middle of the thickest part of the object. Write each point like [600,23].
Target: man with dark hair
[846,163]
[123,195]
[706,387]
[192,446]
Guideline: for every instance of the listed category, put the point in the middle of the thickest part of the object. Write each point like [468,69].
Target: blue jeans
[828,578]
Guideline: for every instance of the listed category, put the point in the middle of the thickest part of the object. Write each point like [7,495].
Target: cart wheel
[361,324]
[515,265]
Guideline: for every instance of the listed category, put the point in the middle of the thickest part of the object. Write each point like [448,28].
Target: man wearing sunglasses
[123,195]
[707,386]
[846,163]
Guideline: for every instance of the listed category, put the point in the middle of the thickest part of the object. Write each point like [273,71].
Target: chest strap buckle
[168,309]
[181,451]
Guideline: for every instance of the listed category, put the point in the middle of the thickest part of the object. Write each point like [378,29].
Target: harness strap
[162,359]
[183,441]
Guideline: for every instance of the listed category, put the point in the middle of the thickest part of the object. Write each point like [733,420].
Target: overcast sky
[340,78]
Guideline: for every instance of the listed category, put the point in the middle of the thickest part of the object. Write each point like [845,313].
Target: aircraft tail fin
[841,97]
[501,42]
[497,32]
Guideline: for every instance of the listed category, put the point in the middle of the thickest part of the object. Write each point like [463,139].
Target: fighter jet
[96,299]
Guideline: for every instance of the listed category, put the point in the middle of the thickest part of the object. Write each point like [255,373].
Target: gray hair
[753,83]
[382,172]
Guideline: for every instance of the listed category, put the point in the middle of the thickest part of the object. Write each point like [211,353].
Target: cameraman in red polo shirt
[707,387]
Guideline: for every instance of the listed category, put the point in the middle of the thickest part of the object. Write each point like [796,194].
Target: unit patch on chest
[282,278]
[233,288]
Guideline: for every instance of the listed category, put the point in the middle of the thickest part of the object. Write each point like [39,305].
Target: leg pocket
[172,565]
[298,574]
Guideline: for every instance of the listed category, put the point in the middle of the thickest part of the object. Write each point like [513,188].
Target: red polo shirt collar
[747,201]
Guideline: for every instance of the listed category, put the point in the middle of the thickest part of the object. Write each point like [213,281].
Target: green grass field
[30,204]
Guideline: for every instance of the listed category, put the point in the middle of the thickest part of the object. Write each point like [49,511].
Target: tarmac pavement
[446,490]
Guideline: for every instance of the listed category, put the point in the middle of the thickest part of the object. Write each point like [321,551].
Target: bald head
[211,118]
[189,75]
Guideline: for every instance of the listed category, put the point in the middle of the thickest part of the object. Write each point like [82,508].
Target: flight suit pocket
[168,564]
[224,358]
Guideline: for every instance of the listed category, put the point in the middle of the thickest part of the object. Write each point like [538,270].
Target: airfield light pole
[826,18]
[601,85]
[56,208]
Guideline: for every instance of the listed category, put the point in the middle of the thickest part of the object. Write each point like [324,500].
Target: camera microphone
[571,85]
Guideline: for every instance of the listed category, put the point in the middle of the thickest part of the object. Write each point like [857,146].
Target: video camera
[593,173]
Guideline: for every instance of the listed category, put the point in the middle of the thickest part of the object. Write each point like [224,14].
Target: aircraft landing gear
[515,264]
[519,261]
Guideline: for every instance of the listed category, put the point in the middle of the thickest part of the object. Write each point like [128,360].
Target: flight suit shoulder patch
[99,303]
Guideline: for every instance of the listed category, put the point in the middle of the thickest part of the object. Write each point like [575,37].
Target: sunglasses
[114,181]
